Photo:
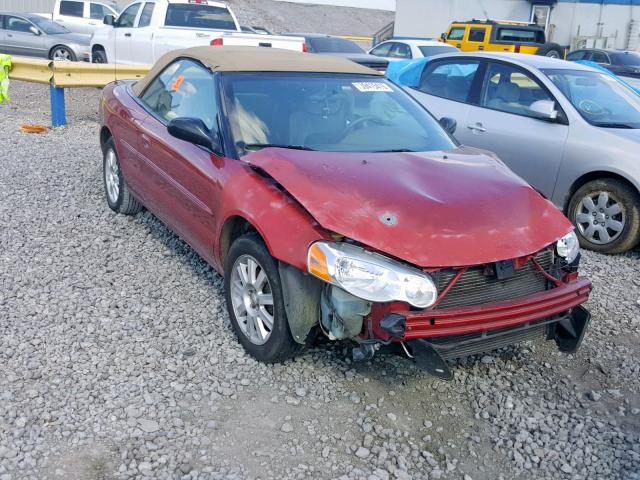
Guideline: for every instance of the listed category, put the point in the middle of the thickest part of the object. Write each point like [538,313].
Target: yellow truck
[501,36]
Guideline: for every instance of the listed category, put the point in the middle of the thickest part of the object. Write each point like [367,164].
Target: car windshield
[429,51]
[599,98]
[199,15]
[327,112]
[333,45]
[629,59]
[47,26]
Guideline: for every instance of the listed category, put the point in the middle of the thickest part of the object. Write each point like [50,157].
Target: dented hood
[436,209]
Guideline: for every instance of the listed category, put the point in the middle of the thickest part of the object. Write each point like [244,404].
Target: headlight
[568,247]
[370,276]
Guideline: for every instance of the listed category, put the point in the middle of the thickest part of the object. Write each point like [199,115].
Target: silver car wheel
[552,54]
[112,176]
[252,299]
[600,218]
[62,54]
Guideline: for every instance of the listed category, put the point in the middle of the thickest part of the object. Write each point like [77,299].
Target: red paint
[441,209]
[459,321]
[465,209]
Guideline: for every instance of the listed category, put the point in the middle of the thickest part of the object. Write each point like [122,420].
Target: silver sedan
[33,35]
[570,130]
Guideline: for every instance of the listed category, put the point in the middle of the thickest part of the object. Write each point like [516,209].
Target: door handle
[127,34]
[459,45]
[146,142]
[476,128]
[93,23]
[9,35]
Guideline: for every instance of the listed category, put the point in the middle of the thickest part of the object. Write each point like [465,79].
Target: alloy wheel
[112,176]
[62,54]
[252,299]
[600,217]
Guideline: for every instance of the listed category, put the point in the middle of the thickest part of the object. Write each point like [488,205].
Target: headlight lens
[568,247]
[370,276]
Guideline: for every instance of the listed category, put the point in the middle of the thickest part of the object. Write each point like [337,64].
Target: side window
[511,90]
[1,22]
[72,9]
[477,34]
[17,24]
[382,50]
[183,89]
[449,79]
[599,57]
[456,33]
[127,17]
[577,55]
[145,16]
[98,11]
[400,50]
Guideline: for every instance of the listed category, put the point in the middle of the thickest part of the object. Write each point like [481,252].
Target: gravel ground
[117,359]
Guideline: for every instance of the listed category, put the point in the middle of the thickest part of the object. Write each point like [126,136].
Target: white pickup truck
[147,29]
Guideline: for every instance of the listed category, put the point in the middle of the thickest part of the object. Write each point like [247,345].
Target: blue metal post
[58,115]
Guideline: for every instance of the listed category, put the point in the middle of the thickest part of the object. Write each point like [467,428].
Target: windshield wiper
[395,150]
[259,146]
[613,125]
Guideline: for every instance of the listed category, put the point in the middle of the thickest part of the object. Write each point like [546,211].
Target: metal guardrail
[61,75]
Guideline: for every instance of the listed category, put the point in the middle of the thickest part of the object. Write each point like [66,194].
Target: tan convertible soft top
[255,59]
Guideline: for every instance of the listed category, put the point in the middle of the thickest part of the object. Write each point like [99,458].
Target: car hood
[359,57]
[437,209]
[632,134]
[77,38]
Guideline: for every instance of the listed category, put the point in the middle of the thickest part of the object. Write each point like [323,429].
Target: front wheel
[255,302]
[606,214]
[99,56]
[63,54]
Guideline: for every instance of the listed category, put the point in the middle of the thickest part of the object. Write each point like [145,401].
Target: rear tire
[552,50]
[99,56]
[604,201]
[266,343]
[116,190]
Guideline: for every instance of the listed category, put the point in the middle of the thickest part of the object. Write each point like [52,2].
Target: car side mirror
[34,30]
[449,124]
[544,109]
[443,36]
[109,20]
[193,130]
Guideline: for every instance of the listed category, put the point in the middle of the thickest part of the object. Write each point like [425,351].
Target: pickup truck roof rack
[500,22]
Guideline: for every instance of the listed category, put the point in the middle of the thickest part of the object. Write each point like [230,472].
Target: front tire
[606,213]
[116,190]
[254,301]
[99,56]
[62,53]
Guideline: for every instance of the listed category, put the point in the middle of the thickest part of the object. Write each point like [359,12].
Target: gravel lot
[117,359]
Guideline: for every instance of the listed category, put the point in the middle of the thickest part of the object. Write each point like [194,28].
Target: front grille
[477,288]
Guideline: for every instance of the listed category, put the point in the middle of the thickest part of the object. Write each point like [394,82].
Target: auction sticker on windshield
[372,87]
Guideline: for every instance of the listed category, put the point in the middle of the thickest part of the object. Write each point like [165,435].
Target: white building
[602,23]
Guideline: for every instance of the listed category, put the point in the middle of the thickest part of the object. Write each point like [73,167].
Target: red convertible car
[334,204]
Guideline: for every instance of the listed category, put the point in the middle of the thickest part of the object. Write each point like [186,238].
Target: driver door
[20,39]
[180,176]
[503,123]
[123,30]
